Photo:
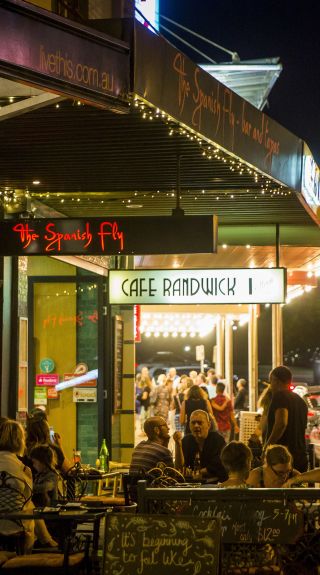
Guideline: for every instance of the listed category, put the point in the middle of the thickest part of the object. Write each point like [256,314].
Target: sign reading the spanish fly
[198,286]
[109,236]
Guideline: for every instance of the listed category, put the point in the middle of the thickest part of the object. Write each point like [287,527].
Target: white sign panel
[84,394]
[221,286]
[150,10]
[310,185]
[199,352]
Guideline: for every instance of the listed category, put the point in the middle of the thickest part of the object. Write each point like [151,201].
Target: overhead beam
[28,105]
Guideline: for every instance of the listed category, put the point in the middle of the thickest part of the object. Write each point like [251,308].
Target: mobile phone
[52,434]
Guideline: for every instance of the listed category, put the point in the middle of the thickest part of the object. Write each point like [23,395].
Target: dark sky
[259,30]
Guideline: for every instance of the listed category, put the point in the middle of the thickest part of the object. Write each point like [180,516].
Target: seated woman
[38,433]
[12,444]
[45,483]
[236,458]
[275,471]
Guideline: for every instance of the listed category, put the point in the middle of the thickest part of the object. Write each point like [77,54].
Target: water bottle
[104,456]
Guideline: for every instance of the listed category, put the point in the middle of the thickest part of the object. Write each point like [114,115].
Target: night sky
[260,30]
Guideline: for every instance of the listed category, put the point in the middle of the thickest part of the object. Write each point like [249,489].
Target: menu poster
[117,362]
[154,545]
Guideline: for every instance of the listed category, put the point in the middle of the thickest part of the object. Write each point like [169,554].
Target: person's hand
[291,482]
[57,439]
[177,437]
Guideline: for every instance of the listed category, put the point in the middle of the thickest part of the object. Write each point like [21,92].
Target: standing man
[202,447]
[223,412]
[287,417]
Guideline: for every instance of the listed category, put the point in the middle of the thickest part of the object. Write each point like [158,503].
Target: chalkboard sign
[251,521]
[150,544]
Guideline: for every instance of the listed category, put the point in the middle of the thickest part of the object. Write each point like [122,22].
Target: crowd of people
[31,463]
[205,431]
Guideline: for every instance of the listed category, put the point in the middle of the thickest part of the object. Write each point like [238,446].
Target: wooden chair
[74,559]
[12,498]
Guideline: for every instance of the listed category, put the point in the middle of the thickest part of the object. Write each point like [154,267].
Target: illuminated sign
[109,236]
[310,186]
[198,286]
[150,10]
[52,51]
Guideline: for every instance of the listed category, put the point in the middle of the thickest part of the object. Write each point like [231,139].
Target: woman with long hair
[195,400]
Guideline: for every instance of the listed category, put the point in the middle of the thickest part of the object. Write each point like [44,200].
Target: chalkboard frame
[249,518]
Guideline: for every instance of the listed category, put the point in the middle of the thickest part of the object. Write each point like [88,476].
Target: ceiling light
[36,182]
[134,206]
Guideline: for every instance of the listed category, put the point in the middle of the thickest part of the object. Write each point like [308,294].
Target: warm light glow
[77,380]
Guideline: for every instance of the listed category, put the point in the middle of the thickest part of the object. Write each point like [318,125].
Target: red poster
[137,323]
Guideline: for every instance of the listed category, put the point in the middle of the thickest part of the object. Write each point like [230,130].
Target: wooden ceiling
[94,162]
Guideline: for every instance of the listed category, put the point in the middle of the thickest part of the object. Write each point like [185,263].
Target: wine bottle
[104,456]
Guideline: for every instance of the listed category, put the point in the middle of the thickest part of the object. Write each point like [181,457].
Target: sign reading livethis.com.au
[205,286]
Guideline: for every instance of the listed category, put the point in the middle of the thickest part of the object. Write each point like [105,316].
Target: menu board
[117,362]
[251,521]
[150,544]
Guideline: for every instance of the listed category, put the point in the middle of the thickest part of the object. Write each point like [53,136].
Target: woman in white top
[12,443]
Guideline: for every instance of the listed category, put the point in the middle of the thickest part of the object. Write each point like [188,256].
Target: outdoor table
[67,519]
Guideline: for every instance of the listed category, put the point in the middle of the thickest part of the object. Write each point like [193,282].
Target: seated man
[147,454]
[203,446]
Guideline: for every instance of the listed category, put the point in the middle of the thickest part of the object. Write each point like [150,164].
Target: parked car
[311,395]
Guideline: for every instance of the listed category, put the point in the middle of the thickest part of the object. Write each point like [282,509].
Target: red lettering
[55,238]
[110,229]
[26,234]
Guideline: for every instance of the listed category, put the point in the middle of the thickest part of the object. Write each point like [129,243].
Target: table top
[91,476]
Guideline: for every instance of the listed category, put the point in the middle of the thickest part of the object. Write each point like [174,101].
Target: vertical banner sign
[137,323]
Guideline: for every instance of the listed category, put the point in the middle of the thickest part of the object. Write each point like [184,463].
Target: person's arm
[218,407]
[254,478]
[279,426]
[234,422]
[312,476]
[183,413]
[211,452]
[214,426]
[179,458]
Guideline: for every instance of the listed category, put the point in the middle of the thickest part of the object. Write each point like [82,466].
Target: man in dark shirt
[204,445]
[287,417]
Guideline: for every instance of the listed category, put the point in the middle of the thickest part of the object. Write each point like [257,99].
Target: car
[312,398]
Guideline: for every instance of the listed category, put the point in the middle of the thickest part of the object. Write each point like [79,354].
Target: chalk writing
[251,521]
[146,544]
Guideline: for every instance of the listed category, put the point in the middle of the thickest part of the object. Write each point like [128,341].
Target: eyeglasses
[281,473]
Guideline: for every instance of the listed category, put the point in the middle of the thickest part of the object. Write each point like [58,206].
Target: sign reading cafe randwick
[197,286]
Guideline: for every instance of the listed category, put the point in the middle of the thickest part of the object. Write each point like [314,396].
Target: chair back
[12,493]
[13,497]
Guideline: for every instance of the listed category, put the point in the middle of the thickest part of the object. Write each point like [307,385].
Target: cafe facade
[141,159]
